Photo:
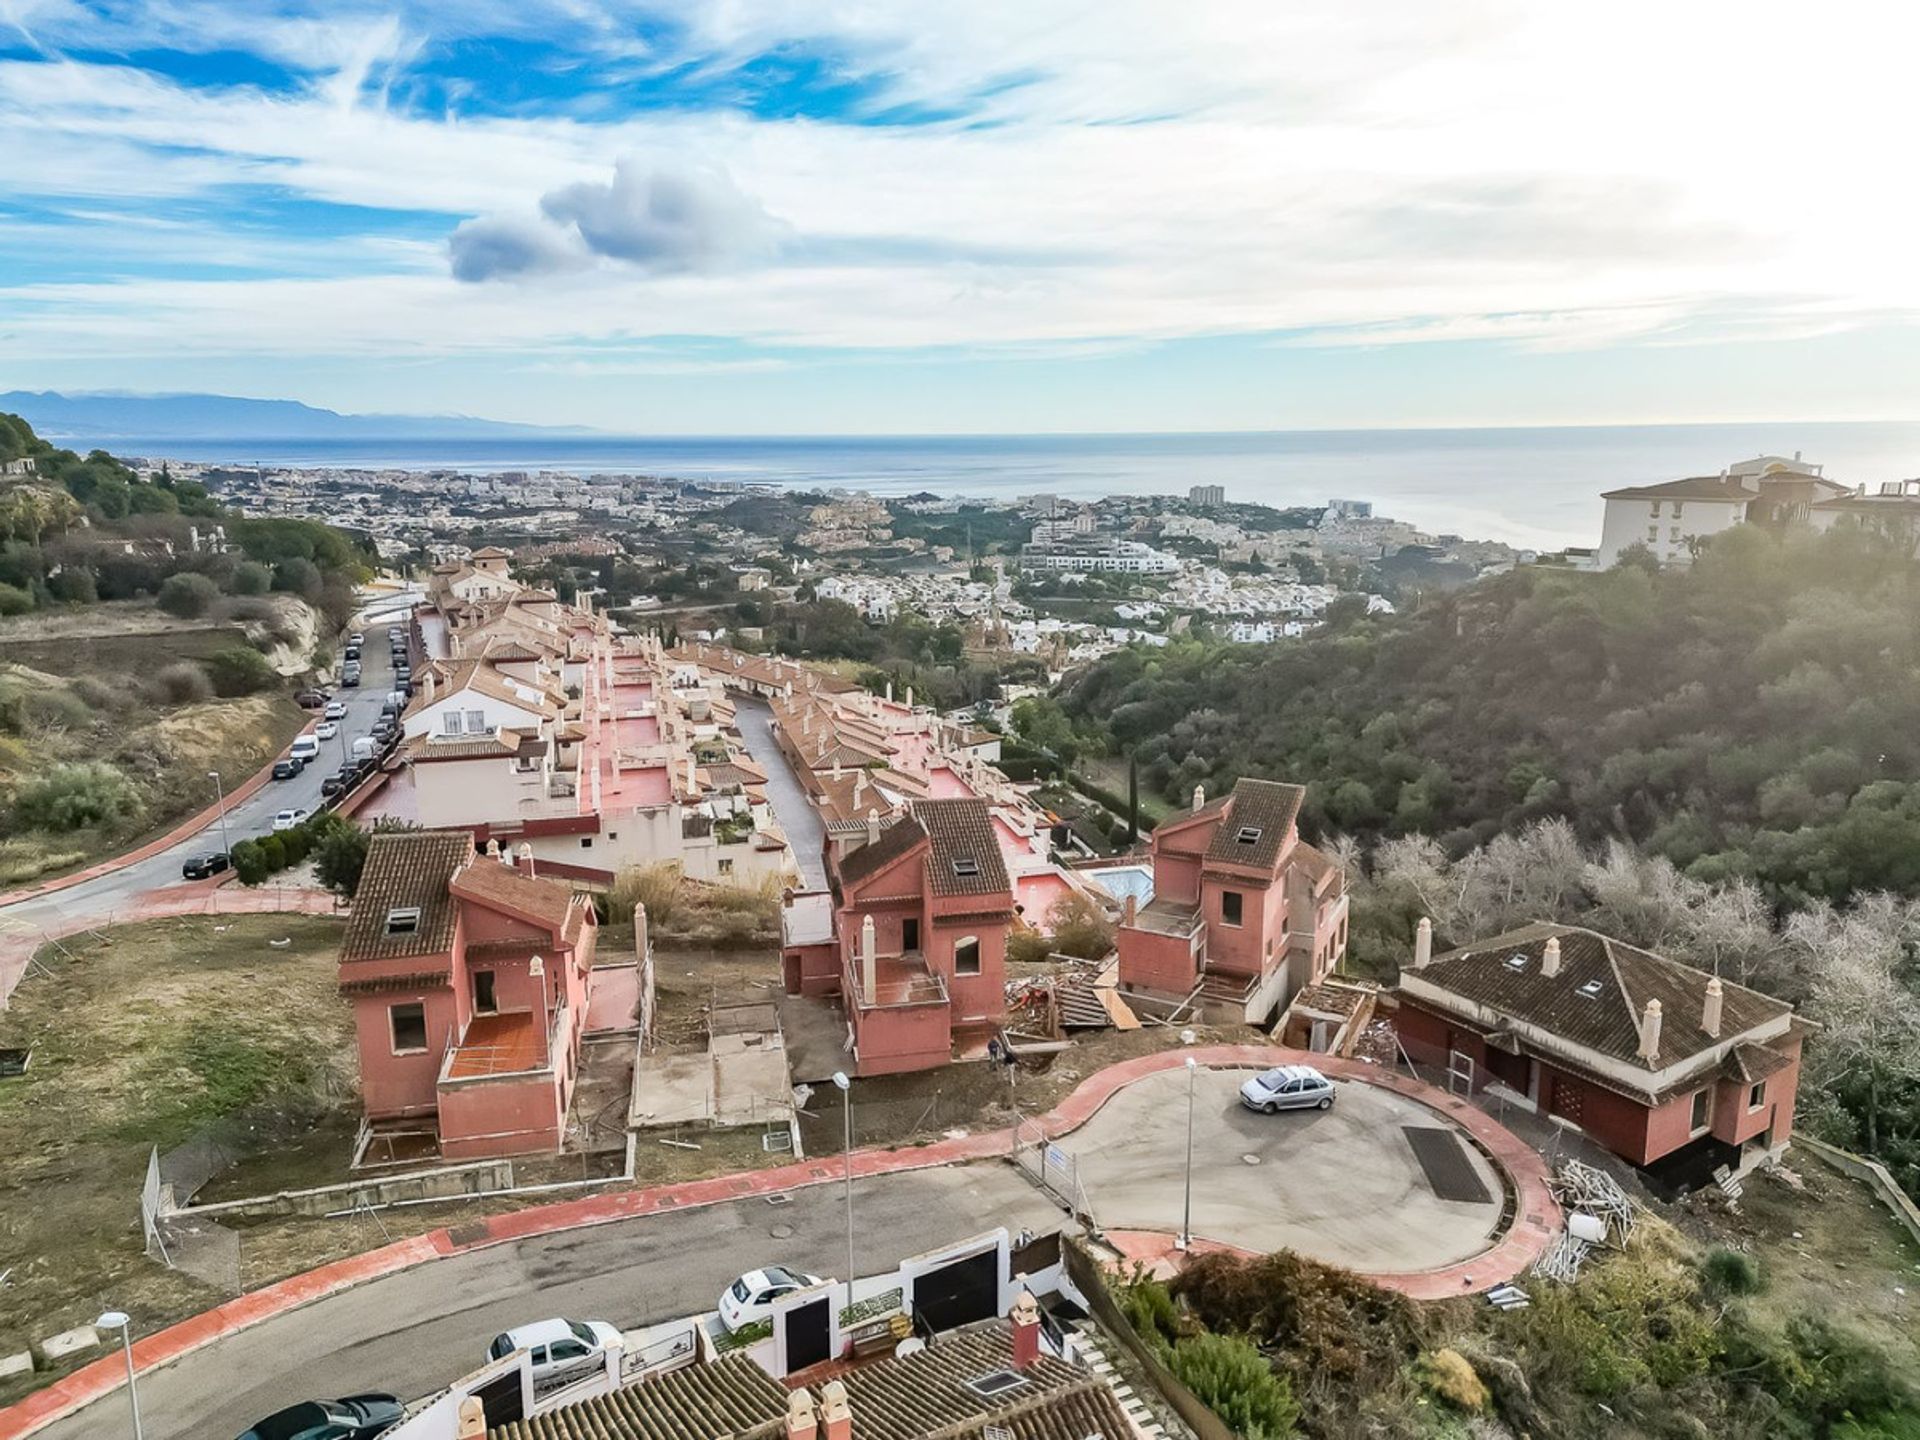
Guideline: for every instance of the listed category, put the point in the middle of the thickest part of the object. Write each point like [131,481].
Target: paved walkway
[806,836]
[1537,1218]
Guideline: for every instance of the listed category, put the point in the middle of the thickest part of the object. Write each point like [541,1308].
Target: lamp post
[1186,1213]
[845,1087]
[119,1320]
[220,797]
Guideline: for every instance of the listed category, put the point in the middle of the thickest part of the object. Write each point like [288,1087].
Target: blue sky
[874,216]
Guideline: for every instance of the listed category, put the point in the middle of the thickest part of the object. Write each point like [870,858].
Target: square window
[1231,905]
[1757,1095]
[965,865]
[726,867]
[1249,835]
[1702,1114]
[450,722]
[476,722]
[966,956]
[586,842]
[403,920]
[409,1026]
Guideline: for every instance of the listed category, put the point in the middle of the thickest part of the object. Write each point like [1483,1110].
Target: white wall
[1629,521]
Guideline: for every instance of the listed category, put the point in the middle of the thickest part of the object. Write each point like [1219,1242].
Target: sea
[1531,487]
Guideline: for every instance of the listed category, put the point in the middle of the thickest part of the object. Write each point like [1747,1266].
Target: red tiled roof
[405,870]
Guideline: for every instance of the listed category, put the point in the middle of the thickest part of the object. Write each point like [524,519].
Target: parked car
[326,730]
[337,710]
[199,867]
[287,819]
[357,1417]
[393,632]
[1288,1087]
[287,769]
[340,780]
[363,748]
[350,679]
[311,699]
[352,652]
[557,1345]
[751,1297]
[357,638]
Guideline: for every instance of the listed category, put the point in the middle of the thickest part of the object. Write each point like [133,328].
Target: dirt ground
[141,1036]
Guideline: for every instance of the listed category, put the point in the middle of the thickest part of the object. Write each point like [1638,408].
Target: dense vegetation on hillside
[1753,715]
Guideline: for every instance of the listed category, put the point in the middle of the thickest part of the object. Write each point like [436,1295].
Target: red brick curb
[1537,1218]
[187,828]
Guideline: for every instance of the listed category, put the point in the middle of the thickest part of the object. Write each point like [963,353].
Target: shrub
[236,670]
[74,585]
[188,596]
[273,852]
[295,844]
[1233,1379]
[67,797]
[1730,1272]
[183,683]
[656,887]
[340,851]
[299,577]
[96,694]
[1447,1373]
[249,577]
[53,710]
[14,600]
[250,863]
[1080,927]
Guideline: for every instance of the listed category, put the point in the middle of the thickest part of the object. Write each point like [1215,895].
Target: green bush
[1730,1272]
[250,863]
[294,844]
[188,596]
[74,585]
[68,797]
[14,600]
[237,670]
[1233,1379]
[273,852]
[249,577]
[182,683]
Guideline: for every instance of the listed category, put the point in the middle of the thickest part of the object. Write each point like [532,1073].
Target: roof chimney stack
[1710,1011]
[801,1421]
[1423,943]
[526,859]
[1650,1031]
[1026,1331]
[1199,796]
[873,827]
[1130,911]
[834,1416]
[1550,961]
[869,960]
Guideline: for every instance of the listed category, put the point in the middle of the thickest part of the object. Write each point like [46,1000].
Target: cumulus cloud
[663,221]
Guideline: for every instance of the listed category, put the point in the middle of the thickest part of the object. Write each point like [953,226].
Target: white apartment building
[1122,557]
[1671,519]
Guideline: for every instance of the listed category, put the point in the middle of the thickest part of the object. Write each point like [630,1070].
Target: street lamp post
[220,795]
[1186,1213]
[845,1087]
[119,1320]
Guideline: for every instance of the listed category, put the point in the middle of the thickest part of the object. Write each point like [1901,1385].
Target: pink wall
[393,1085]
[974,997]
[900,1038]
[515,1115]
[1258,943]
[1176,877]
[811,969]
[1163,963]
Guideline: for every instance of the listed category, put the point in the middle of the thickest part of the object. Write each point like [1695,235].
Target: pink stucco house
[912,937]
[1244,912]
[468,980]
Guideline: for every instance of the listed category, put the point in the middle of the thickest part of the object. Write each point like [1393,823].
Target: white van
[304,748]
[363,748]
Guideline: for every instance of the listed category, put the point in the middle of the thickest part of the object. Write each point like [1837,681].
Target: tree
[250,577]
[1041,722]
[340,856]
[74,585]
[236,670]
[73,796]
[188,596]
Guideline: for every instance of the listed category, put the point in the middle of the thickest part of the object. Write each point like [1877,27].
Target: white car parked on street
[326,730]
[557,1345]
[751,1297]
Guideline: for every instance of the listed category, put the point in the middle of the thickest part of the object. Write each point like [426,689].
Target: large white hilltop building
[1670,519]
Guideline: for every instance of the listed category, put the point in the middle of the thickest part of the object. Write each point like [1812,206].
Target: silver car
[1288,1087]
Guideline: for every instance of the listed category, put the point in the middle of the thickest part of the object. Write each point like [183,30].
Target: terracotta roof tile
[406,870]
[732,1397]
[546,902]
[965,858]
[1257,824]
[896,840]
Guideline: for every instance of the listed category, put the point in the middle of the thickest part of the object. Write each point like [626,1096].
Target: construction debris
[1584,1189]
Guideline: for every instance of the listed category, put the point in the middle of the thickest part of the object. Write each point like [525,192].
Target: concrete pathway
[806,836]
[377,1335]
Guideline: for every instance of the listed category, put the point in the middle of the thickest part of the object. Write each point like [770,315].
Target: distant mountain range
[105,417]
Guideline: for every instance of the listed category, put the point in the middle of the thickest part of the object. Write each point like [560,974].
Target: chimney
[836,1421]
[1710,1011]
[889,692]
[1423,944]
[1026,1331]
[801,1422]
[526,859]
[493,849]
[426,689]
[909,697]
[472,1422]
[1199,796]
[1550,961]
[836,764]
[1130,912]
[873,828]
[1649,1031]
[869,968]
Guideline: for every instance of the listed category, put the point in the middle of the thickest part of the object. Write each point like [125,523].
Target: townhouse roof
[1260,817]
[429,749]
[492,552]
[896,842]
[965,857]
[405,871]
[732,1397]
[1599,996]
[452,677]
[937,1392]
[1728,489]
[1908,504]
[544,902]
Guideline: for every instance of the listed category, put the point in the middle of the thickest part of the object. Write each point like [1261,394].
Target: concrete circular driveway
[1341,1185]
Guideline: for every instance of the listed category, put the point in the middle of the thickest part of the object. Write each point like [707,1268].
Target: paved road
[805,834]
[1341,1185]
[414,1332]
[251,817]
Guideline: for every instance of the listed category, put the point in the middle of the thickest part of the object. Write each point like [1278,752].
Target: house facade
[468,981]
[1671,519]
[1668,1067]
[912,936]
[1244,913]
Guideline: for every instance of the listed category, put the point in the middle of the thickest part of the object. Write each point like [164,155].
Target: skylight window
[403,920]
[995,1382]
[1591,990]
[965,865]
[1249,835]
[1516,961]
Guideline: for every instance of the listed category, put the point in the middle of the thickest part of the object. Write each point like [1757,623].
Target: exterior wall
[1627,522]
[455,793]
[424,718]
[899,1038]
[398,1085]
[503,1115]
[811,969]
[1166,964]
[1258,943]
[1176,877]
[975,999]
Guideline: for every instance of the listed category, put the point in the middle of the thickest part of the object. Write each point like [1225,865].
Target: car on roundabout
[1288,1087]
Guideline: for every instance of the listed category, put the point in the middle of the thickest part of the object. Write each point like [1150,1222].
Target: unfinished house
[912,937]
[1671,1068]
[1243,912]
[468,980]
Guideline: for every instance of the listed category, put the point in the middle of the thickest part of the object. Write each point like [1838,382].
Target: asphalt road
[805,834]
[412,1333]
[248,818]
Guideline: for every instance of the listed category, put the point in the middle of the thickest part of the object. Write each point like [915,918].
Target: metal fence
[1051,1168]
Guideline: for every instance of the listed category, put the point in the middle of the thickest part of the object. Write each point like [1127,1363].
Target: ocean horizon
[1529,486]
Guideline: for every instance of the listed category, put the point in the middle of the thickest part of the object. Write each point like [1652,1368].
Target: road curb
[1533,1224]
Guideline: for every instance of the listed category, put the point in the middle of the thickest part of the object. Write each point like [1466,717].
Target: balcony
[1169,917]
[899,981]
